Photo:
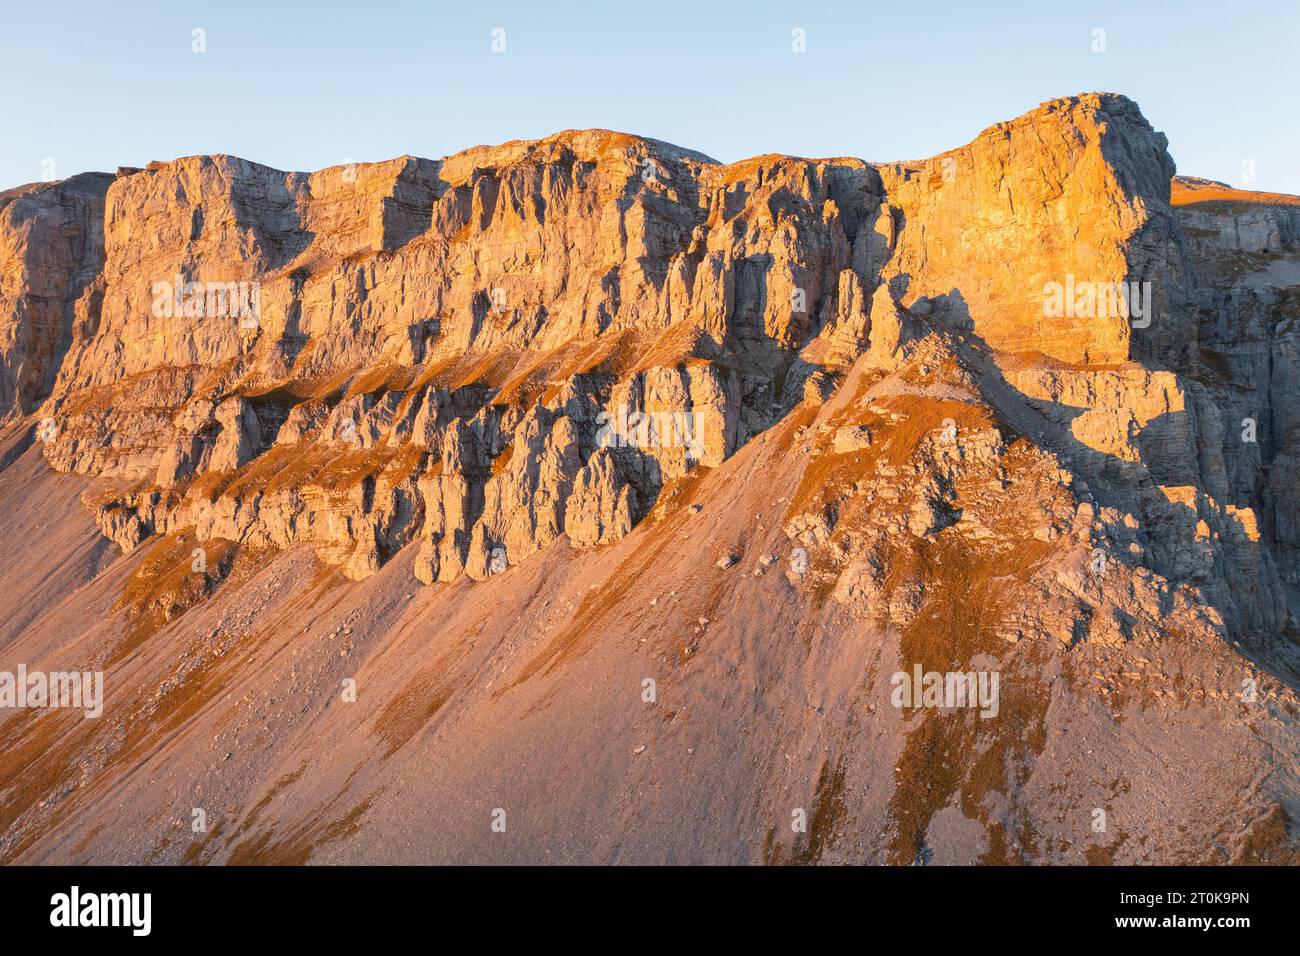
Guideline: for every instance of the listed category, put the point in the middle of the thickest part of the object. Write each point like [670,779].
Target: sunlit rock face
[481,355]
[1077,188]
[500,437]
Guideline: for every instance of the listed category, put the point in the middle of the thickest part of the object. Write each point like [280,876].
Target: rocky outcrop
[775,427]
[1075,192]
[603,505]
[521,343]
[51,257]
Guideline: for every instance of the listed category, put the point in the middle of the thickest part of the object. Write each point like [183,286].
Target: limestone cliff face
[766,431]
[524,297]
[51,257]
[516,344]
[1079,187]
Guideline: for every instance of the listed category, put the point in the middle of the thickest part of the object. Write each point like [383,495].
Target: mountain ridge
[524,427]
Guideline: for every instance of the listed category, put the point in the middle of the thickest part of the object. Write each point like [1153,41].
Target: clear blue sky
[95,85]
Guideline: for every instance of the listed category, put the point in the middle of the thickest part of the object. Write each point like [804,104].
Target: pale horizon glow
[301,87]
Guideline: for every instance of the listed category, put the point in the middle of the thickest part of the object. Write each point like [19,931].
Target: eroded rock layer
[1036,392]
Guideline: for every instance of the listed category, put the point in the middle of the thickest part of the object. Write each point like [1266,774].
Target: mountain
[588,500]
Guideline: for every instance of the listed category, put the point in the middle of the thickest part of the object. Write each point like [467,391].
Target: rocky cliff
[1032,400]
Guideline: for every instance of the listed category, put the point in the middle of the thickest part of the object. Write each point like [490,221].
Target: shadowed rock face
[732,412]
[52,253]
